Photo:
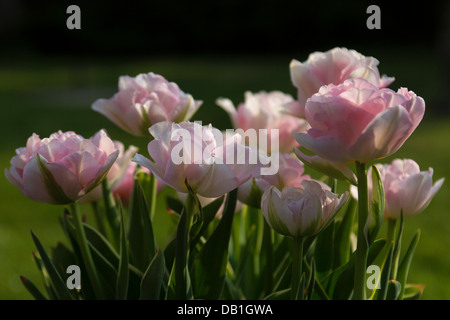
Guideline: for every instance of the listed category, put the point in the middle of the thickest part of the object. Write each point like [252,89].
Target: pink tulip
[300,212]
[264,110]
[290,174]
[356,121]
[62,168]
[116,173]
[405,187]
[189,151]
[145,100]
[331,67]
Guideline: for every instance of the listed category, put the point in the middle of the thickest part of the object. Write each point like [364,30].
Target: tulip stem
[153,189]
[85,252]
[297,261]
[362,246]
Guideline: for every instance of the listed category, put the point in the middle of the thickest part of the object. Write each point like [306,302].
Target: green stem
[85,252]
[268,249]
[153,189]
[362,247]
[297,259]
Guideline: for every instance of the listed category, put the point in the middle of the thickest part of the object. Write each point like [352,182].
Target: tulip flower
[356,121]
[406,188]
[290,174]
[264,110]
[198,154]
[145,100]
[62,168]
[331,67]
[300,212]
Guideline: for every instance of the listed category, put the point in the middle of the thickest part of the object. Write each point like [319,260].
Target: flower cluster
[343,118]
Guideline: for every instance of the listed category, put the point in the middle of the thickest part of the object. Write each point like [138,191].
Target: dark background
[214,27]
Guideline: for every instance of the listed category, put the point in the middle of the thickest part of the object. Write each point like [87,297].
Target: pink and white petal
[329,148]
[277,213]
[383,136]
[38,188]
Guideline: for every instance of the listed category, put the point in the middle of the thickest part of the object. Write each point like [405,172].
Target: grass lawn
[46,95]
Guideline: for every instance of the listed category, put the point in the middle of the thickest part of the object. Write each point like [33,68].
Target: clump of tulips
[243,230]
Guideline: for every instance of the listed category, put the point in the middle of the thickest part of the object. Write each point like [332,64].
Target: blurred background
[50,76]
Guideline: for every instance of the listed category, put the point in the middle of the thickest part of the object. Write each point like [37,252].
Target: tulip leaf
[312,280]
[339,283]
[140,236]
[32,289]
[342,238]
[106,271]
[62,257]
[179,287]
[324,249]
[394,288]
[405,264]
[209,212]
[153,277]
[209,266]
[112,215]
[413,291]
[123,272]
[376,210]
[279,295]
[386,274]
[58,284]
[174,204]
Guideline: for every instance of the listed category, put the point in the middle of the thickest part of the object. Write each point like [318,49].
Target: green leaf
[324,249]
[209,266]
[58,283]
[376,209]
[174,204]
[394,288]
[406,263]
[340,282]
[32,289]
[311,281]
[141,237]
[179,287]
[152,280]
[386,274]
[112,213]
[284,294]
[342,238]
[62,257]
[123,272]
[209,212]
[413,291]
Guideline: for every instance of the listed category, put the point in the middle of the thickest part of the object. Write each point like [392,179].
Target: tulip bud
[300,212]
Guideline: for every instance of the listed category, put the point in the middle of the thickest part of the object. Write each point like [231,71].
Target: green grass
[45,95]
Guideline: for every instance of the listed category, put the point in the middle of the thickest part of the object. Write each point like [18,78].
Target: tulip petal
[329,148]
[277,213]
[40,184]
[384,135]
